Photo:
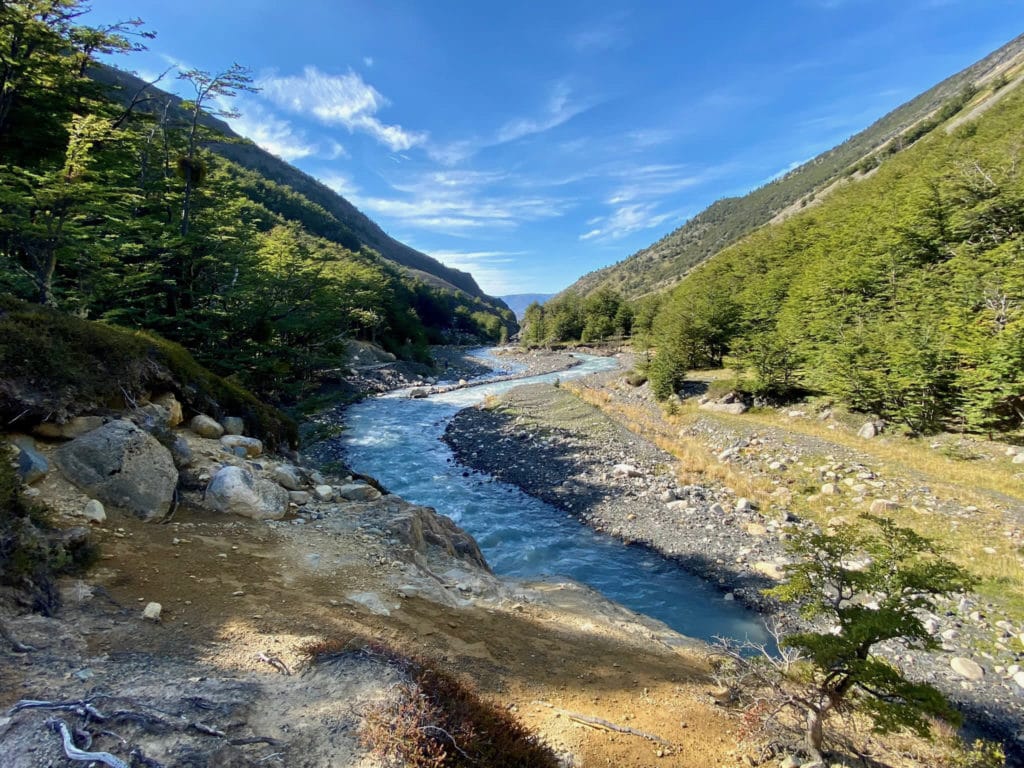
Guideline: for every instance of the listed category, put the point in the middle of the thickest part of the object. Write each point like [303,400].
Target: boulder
[323,492]
[234,425]
[32,465]
[238,491]
[69,430]
[301,498]
[868,431]
[423,529]
[181,452]
[206,427]
[287,477]
[419,393]
[829,489]
[357,492]
[250,445]
[94,512]
[120,465]
[967,668]
[152,417]
[883,506]
[734,408]
[170,403]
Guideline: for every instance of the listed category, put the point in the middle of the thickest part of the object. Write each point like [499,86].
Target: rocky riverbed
[570,454]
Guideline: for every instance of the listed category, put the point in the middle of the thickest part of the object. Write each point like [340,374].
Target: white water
[398,441]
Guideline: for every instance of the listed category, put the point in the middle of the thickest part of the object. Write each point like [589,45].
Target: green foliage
[868,583]
[569,319]
[901,295]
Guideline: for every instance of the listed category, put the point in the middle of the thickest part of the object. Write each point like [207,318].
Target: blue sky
[531,142]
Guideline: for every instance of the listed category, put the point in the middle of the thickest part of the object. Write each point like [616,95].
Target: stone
[94,512]
[967,668]
[829,489]
[238,491]
[357,492]
[69,430]
[181,452]
[733,408]
[1018,678]
[419,393]
[1018,459]
[206,427]
[233,425]
[170,403]
[323,492]
[122,466]
[287,476]
[250,445]
[298,497]
[152,417]
[789,761]
[755,529]
[883,506]
[868,431]
[463,383]
[773,571]
[716,509]
[626,470]
[152,611]
[745,505]
[32,465]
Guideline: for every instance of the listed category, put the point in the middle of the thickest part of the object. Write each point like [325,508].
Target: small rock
[323,493]
[1019,458]
[152,611]
[967,668]
[357,492]
[233,425]
[419,393]
[32,465]
[250,445]
[868,431]
[170,403]
[298,497]
[181,452]
[755,529]
[206,427]
[94,512]
[829,489]
[773,571]
[745,505]
[1018,678]
[882,506]
[626,470]
[287,477]
[789,761]
[716,509]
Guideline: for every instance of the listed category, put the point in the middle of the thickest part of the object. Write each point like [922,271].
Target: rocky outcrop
[421,528]
[238,491]
[122,466]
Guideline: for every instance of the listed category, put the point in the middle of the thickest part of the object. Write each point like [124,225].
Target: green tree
[866,583]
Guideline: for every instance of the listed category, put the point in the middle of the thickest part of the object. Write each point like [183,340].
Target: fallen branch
[81,708]
[255,740]
[604,725]
[275,662]
[74,753]
[16,646]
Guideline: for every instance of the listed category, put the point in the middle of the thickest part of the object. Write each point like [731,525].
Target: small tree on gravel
[867,584]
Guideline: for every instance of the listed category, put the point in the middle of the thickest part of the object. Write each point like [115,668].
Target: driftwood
[605,725]
[82,708]
[275,662]
[74,753]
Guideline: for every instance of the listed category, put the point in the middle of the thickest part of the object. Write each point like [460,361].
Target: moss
[55,366]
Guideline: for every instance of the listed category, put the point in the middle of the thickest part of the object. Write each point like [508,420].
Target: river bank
[581,459]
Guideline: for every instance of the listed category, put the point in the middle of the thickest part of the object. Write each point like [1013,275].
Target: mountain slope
[246,154]
[518,302]
[661,265]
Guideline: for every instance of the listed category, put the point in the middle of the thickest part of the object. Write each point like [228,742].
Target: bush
[636,378]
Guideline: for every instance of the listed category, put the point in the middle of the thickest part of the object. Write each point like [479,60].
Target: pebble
[94,512]
[152,612]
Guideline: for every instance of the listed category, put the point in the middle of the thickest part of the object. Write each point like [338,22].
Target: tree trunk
[815,733]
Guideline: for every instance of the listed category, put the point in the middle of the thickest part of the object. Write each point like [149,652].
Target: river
[398,440]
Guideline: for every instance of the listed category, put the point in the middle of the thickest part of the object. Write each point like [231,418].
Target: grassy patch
[54,366]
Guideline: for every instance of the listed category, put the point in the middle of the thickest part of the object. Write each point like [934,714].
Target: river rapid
[398,440]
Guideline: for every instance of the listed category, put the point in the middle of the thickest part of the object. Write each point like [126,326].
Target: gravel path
[568,453]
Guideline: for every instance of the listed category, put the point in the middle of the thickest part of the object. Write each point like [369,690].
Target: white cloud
[600,36]
[626,220]
[368,61]
[345,100]
[276,136]
[341,184]
[496,272]
[559,110]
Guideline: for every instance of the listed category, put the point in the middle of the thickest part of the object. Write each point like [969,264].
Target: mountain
[663,264]
[518,302]
[356,224]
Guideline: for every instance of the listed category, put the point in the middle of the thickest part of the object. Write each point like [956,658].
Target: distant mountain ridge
[518,302]
[248,155]
[664,263]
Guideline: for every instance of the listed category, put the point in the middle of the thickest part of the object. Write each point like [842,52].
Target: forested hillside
[113,208]
[901,295]
[663,264]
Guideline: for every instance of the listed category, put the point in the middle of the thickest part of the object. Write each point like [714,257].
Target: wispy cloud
[276,136]
[600,36]
[345,100]
[625,220]
[560,109]
[497,272]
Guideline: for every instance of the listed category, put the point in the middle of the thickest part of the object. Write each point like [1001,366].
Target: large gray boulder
[238,491]
[122,466]
[32,465]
